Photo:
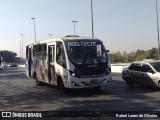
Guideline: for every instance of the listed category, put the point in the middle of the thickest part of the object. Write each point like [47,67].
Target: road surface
[19,93]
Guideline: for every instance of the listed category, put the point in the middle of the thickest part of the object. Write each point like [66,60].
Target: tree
[149,54]
[135,56]
[117,57]
[152,54]
[8,56]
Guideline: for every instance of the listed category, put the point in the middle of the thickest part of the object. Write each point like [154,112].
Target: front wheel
[159,84]
[97,87]
[130,83]
[61,85]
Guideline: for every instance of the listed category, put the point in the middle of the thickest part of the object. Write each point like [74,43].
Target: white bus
[69,62]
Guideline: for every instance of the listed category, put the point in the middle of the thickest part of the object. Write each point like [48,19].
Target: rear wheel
[97,87]
[130,83]
[158,84]
[38,83]
[29,71]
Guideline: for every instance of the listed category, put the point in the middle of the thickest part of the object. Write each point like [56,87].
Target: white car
[4,64]
[142,72]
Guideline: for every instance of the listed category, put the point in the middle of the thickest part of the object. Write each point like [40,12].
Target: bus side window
[60,55]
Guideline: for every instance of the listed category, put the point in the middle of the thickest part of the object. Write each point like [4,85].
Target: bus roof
[65,38]
[76,37]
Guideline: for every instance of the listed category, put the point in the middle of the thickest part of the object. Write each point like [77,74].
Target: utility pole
[74,25]
[34,28]
[158,30]
[92,19]
[22,44]
[20,52]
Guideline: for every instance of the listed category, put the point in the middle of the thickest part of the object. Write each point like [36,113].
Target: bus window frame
[60,53]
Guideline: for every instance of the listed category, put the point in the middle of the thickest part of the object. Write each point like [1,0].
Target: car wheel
[158,84]
[97,87]
[130,83]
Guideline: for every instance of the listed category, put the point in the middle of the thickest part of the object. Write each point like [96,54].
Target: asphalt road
[19,93]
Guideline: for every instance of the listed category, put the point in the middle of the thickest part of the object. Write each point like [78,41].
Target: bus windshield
[86,52]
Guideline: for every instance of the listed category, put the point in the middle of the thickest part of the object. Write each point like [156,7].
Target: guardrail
[117,67]
[21,65]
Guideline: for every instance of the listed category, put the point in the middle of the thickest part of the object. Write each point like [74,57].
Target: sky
[122,25]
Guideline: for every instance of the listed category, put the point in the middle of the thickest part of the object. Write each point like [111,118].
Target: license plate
[94,81]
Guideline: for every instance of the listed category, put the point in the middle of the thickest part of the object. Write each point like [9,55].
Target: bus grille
[92,70]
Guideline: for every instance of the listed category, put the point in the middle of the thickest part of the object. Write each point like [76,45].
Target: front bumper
[89,82]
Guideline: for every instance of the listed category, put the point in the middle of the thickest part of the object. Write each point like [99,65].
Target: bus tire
[61,85]
[38,83]
[30,73]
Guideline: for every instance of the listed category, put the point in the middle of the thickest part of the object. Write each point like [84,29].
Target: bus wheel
[38,83]
[30,73]
[61,85]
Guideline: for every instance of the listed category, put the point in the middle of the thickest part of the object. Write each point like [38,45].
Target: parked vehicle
[12,65]
[4,64]
[0,62]
[145,72]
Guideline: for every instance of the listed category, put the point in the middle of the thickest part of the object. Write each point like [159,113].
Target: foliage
[8,56]
[135,56]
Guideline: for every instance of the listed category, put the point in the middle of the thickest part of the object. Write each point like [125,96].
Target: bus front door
[51,64]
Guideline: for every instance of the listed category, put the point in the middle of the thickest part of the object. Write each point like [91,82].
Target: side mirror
[107,51]
[151,71]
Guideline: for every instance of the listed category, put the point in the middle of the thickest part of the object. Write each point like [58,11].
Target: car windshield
[86,52]
[156,66]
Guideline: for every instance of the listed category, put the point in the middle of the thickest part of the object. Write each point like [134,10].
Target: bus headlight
[76,73]
[107,70]
[73,74]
